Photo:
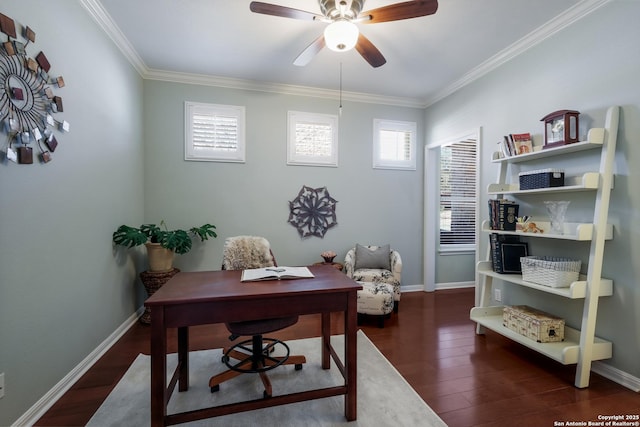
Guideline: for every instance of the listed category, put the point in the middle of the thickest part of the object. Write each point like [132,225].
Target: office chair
[253,355]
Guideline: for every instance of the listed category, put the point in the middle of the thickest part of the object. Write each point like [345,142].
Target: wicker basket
[550,271]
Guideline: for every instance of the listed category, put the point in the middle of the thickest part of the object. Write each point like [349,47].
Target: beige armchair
[375,264]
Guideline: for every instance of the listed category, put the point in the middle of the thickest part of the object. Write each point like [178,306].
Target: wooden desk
[197,298]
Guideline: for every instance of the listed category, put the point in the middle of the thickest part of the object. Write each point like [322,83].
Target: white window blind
[214,132]
[458,193]
[312,139]
[394,144]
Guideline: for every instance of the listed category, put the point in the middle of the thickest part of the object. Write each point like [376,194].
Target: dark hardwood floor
[469,380]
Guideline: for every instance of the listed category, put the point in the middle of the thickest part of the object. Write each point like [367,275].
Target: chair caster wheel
[265,394]
[215,388]
[298,366]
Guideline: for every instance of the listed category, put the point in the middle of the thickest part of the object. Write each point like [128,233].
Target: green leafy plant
[178,241]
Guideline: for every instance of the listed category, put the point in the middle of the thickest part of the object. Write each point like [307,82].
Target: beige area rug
[384,397]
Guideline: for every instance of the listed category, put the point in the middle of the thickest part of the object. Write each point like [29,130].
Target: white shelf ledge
[575,290]
[595,139]
[572,231]
[589,181]
[565,352]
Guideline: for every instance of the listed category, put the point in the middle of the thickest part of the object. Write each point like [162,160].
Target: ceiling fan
[342,34]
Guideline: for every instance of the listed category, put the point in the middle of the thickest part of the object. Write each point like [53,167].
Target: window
[214,133]
[394,145]
[458,195]
[312,139]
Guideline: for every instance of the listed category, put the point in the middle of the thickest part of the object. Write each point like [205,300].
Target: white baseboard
[439,286]
[412,288]
[41,406]
[616,375]
[455,285]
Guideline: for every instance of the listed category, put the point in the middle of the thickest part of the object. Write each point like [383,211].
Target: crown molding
[104,20]
[560,22]
[233,83]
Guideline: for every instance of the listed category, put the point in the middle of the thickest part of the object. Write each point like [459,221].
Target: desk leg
[183,358]
[326,340]
[351,357]
[158,367]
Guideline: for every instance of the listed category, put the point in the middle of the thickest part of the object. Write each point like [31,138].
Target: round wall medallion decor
[313,212]
[27,99]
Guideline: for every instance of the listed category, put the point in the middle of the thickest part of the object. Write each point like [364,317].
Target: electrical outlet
[1,385]
[497,295]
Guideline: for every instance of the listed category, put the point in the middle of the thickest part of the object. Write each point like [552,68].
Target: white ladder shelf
[581,347]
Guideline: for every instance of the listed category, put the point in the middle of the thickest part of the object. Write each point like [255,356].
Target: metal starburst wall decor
[313,212]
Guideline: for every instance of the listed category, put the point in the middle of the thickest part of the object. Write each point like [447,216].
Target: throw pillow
[377,257]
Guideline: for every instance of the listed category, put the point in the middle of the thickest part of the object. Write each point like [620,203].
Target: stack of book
[503,214]
[515,144]
[506,252]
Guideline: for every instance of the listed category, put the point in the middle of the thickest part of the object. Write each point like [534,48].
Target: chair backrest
[244,252]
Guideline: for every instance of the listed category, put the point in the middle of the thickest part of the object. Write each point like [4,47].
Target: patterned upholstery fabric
[375,298]
[391,277]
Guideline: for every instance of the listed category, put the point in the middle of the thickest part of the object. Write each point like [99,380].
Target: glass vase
[557,211]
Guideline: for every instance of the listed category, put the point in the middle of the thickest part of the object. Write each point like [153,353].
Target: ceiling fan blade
[310,52]
[286,12]
[398,11]
[369,52]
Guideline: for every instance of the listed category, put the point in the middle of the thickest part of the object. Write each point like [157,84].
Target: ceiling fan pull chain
[340,107]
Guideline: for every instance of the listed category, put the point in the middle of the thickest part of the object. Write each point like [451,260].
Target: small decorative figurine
[527,226]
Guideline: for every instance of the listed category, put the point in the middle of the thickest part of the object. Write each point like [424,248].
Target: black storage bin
[542,178]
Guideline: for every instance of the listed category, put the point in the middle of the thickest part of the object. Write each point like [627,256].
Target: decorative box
[542,178]
[534,324]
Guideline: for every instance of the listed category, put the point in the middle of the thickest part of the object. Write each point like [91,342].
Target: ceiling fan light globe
[341,36]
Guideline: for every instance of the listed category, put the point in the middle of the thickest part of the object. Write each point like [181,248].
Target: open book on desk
[275,273]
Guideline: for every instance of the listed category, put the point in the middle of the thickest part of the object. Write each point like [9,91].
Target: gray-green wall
[374,206]
[593,64]
[63,290]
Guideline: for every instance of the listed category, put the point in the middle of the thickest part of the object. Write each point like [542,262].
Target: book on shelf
[515,144]
[522,143]
[503,214]
[509,149]
[275,273]
[506,252]
[504,149]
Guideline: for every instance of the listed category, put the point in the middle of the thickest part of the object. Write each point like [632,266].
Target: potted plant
[161,243]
